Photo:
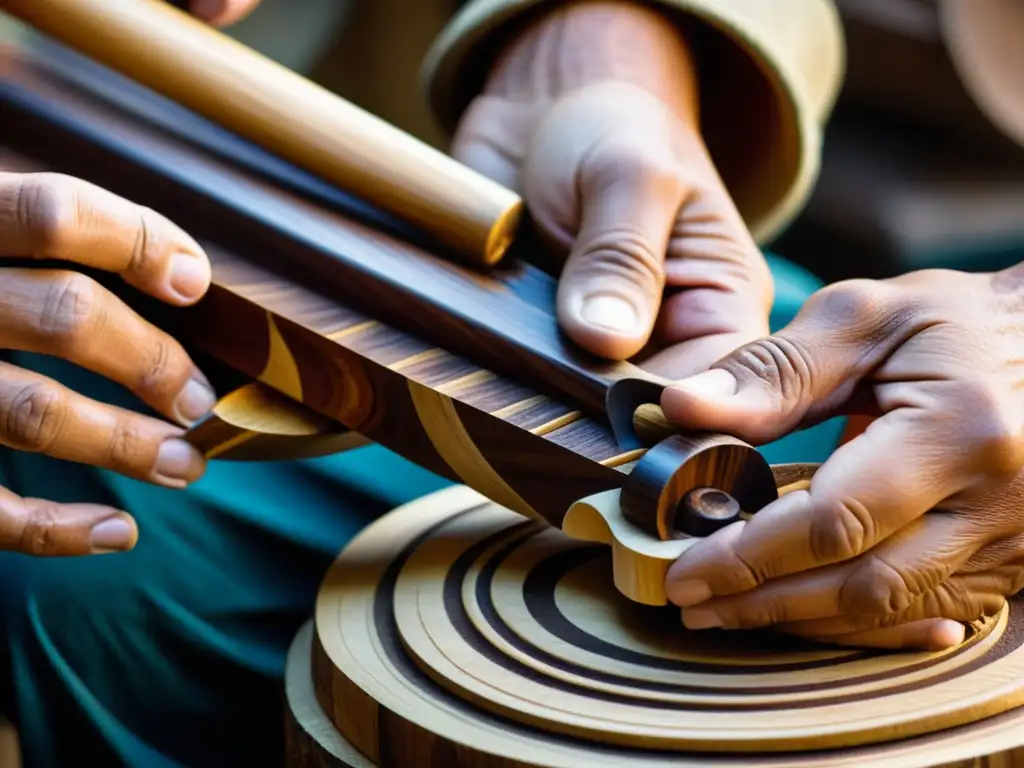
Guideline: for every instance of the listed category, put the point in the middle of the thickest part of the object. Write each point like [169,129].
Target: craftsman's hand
[604,145]
[938,357]
[63,313]
[220,12]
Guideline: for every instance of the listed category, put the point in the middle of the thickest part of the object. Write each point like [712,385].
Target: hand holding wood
[654,256]
[936,353]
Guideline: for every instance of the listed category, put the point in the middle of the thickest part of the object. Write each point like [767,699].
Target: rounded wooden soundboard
[453,632]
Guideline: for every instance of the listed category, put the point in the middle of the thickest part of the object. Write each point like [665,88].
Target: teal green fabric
[793,284]
[172,655]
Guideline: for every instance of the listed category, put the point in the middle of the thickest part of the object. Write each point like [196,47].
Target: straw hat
[985,39]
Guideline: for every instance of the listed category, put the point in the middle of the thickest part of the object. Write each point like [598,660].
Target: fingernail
[195,401]
[688,592]
[714,383]
[113,535]
[611,312]
[701,618]
[189,275]
[178,462]
[948,634]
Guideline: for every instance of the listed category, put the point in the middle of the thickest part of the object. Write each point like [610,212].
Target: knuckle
[747,573]
[34,417]
[128,446]
[862,304]
[950,600]
[68,311]
[992,430]
[842,529]
[875,588]
[753,272]
[1007,580]
[41,532]
[767,612]
[160,372]
[890,620]
[47,211]
[777,362]
[640,165]
[625,254]
[146,255]
[986,605]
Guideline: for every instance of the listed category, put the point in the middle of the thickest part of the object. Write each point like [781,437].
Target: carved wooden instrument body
[464,630]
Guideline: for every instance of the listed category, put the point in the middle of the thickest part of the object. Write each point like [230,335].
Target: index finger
[899,468]
[52,216]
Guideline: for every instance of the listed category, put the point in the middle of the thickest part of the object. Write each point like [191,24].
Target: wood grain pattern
[200,67]
[310,739]
[446,414]
[456,632]
[655,489]
[640,559]
[453,633]
[89,122]
[352,344]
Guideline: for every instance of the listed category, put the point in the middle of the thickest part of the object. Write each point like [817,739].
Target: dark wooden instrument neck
[502,319]
[462,372]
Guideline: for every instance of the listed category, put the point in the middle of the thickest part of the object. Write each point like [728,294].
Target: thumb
[806,372]
[610,291]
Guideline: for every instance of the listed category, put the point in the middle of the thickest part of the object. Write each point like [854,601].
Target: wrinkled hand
[621,185]
[938,357]
[66,314]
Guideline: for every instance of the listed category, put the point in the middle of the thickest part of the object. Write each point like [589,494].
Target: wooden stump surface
[453,632]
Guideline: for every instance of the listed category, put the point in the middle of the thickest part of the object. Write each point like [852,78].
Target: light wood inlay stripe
[469,380]
[454,444]
[281,371]
[419,357]
[624,458]
[229,445]
[522,405]
[555,424]
[352,329]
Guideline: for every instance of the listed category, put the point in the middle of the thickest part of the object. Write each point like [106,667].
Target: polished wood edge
[311,740]
[258,423]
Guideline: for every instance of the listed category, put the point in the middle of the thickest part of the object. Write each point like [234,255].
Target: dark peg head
[692,485]
[702,511]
